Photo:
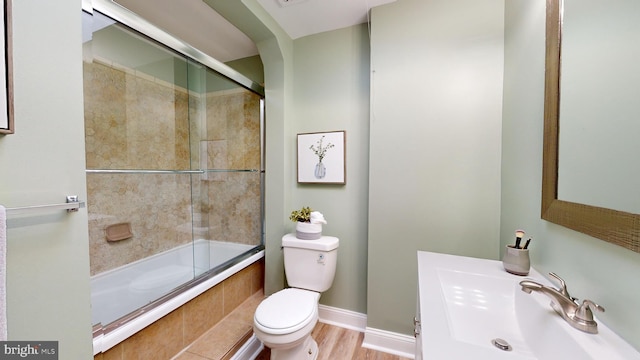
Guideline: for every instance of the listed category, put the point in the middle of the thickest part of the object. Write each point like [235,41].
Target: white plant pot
[308,231]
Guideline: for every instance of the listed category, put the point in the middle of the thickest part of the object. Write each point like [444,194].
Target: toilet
[284,320]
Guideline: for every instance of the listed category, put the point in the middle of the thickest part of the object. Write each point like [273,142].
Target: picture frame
[322,158]
[6,73]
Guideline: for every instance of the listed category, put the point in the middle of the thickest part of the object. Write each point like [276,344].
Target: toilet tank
[310,264]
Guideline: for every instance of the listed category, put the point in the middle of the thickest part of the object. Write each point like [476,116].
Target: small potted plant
[308,223]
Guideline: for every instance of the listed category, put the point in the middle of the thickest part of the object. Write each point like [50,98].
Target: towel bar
[72,205]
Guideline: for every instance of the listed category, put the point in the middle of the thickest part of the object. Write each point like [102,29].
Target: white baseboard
[342,318]
[375,339]
[250,350]
[389,342]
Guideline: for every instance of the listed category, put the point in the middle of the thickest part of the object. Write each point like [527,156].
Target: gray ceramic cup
[516,261]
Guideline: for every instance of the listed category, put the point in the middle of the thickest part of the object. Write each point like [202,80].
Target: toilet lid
[286,311]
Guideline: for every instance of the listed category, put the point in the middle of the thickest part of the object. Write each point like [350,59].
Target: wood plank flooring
[336,343]
[223,340]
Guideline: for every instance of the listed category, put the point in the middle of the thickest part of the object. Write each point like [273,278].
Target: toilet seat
[286,311]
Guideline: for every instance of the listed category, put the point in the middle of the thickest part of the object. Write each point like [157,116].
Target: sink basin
[467,303]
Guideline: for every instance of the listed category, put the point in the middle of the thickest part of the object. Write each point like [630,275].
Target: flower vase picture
[321,171]
[320,150]
[321,158]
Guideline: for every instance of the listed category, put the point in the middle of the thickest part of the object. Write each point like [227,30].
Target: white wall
[48,256]
[436,102]
[593,269]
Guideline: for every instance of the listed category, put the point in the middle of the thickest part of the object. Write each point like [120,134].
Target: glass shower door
[174,170]
[229,192]
[137,135]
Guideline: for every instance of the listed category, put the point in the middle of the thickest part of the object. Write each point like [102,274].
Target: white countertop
[466,302]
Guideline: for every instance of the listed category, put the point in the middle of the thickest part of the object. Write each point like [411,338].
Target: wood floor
[225,338]
[336,343]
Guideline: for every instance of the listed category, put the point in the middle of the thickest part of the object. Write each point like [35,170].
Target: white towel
[3,273]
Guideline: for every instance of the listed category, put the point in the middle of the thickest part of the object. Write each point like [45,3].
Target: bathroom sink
[472,308]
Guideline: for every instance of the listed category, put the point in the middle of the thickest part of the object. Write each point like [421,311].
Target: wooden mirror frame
[617,227]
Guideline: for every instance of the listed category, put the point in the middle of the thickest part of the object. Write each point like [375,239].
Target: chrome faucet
[578,316]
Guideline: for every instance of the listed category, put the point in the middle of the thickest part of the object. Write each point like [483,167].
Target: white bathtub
[120,291]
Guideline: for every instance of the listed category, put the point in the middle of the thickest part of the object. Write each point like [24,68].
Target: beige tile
[244,313]
[226,335]
[215,343]
[257,276]
[125,131]
[160,340]
[202,313]
[190,356]
[115,353]
[117,198]
[236,290]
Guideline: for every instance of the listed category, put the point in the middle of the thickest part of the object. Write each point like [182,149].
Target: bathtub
[120,297]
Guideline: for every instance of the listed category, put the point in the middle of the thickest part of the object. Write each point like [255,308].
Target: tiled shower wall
[233,142]
[137,122]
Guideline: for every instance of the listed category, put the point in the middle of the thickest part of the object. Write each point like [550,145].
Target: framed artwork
[322,158]
[6,73]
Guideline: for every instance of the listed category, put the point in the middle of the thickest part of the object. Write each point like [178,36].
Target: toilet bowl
[284,321]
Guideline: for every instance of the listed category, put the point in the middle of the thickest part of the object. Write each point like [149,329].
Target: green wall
[593,269]
[436,102]
[250,67]
[48,296]
[331,92]
[413,150]
[310,89]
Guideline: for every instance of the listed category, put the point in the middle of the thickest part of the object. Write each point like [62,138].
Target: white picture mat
[334,160]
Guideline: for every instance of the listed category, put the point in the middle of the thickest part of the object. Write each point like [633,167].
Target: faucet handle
[563,287]
[584,310]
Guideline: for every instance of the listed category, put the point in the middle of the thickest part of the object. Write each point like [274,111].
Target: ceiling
[195,22]
[306,17]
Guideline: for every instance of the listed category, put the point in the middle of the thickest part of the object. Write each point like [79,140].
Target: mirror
[599,108]
[618,227]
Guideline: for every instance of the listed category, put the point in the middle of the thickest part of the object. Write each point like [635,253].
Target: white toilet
[284,320]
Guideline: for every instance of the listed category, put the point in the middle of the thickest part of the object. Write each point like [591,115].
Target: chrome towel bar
[72,205]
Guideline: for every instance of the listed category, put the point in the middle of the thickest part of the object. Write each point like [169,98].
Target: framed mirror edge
[613,226]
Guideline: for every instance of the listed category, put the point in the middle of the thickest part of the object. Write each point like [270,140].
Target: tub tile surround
[233,144]
[209,306]
[234,300]
[235,212]
[138,199]
[222,340]
[124,130]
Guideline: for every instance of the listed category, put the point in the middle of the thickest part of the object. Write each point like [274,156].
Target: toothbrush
[519,236]
[526,245]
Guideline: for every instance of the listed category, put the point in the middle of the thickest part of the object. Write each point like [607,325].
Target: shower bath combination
[174,165]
